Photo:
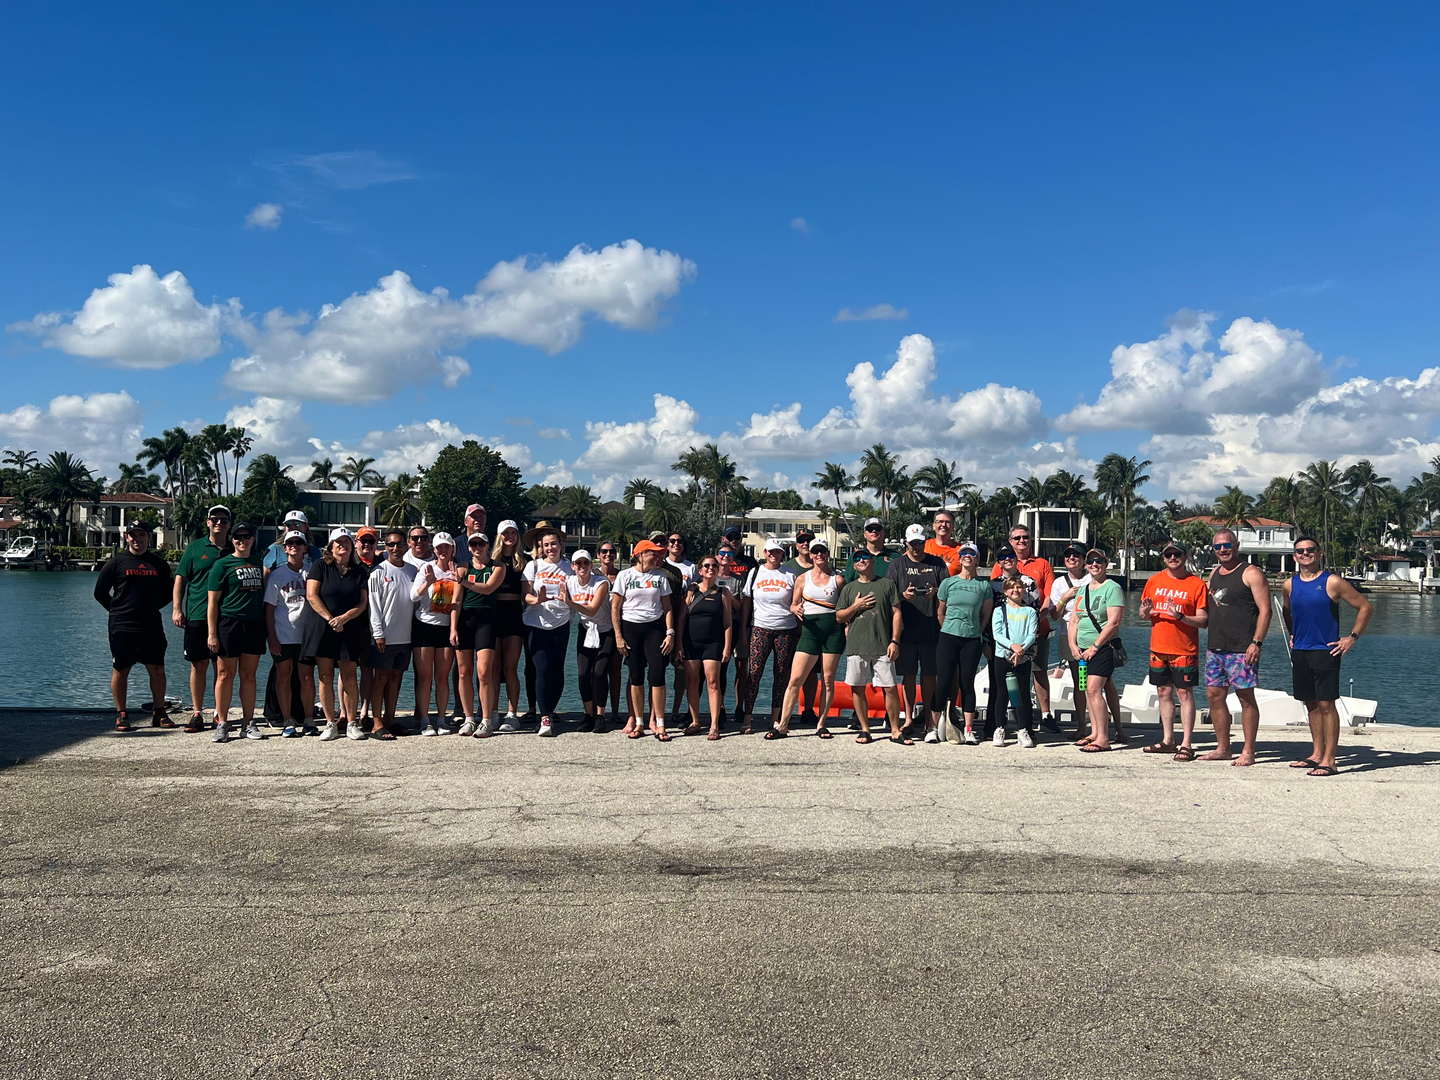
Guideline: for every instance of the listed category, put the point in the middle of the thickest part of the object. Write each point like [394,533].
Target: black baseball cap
[1006,552]
[139,525]
[240,530]
[1074,549]
[731,532]
[804,535]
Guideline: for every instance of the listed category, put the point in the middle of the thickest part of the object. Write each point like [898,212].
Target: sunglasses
[873,528]
[1172,554]
[1022,539]
[243,536]
[607,551]
[393,543]
[1096,562]
[221,520]
[419,538]
[968,555]
[709,566]
[675,540]
[367,540]
[1307,551]
[1222,546]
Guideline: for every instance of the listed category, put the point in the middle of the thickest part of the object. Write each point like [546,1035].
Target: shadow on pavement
[26,734]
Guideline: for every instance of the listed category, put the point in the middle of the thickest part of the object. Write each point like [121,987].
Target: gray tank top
[1233,613]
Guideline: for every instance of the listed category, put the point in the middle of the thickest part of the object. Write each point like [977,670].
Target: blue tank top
[1315,617]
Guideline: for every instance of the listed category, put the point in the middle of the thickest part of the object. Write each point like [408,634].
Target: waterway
[54,652]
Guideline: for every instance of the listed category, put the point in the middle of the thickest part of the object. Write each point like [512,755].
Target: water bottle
[1012,687]
[1080,666]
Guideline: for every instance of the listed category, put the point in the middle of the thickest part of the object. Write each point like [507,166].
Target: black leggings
[644,641]
[953,653]
[1000,697]
[548,649]
[594,667]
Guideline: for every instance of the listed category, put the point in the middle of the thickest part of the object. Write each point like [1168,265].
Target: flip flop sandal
[825,733]
[864,737]
[1323,770]
[1185,753]
[712,736]
[1304,763]
[635,733]
[122,723]
[900,740]
[776,733]
[1091,748]
[662,735]
[383,734]
[1159,748]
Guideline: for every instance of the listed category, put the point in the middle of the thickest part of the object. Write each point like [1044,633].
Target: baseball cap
[803,535]
[241,529]
[1006,552]
[297,515]
[820,545]
[339,533]
[862,555]
[470,510]
[581,556]
[138,525]
[1096,555]
[731,531]
[914,532]
[774,545]
[364,531]
[295,534]
[647,545]
[478,537]
[871,523]
[218,506]
[968,548]
[1074,549]
[504,525]
[443,539]
[1174,546]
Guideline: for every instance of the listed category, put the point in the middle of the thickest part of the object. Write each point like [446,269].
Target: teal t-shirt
[1098,597]
[963,599]
[196,562]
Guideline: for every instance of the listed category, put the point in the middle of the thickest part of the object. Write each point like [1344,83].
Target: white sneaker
[252,731]
[429,729]
[467,728]
[222,733]
[969,738]
[444,727]
[1026,739]
[354,731]
[999,738]
[330,733]
[547,728]
[510,723]
[933,735]
[487,728]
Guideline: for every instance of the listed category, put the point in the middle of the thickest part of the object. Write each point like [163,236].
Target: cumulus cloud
[642,447]
[101,428]
[879,311]
[264,216]
[276,426]
[140,320]
[371,344]
[1174,384]
[409,447]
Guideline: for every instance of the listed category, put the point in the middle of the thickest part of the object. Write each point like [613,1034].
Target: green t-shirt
[475,601]
[196,562]
[881,562]
[963,598]
[793,565]
[241,585]
[868,634]
[1099,597]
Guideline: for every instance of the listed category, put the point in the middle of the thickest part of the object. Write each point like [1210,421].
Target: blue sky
[1240,201]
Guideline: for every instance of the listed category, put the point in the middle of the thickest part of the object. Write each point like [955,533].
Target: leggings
[762,642]
[954,653]
[594,668]
[644,641]
[548,649]
[1000,697]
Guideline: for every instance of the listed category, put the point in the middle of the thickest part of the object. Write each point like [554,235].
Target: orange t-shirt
[1175,596]
[950,555]
[1042,573]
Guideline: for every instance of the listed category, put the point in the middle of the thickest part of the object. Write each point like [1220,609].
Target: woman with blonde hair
[510,616]
[641,606]
[338,593]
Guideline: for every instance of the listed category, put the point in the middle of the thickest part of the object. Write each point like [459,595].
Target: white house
[1265,542]
[1053,529]
[758,525]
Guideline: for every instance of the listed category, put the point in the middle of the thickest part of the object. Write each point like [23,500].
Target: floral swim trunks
[1229,669]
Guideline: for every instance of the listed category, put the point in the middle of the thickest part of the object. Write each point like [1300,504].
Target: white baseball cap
[339,533]
[443,539]
[914,532]
[774,545]
[294,534]
[506,524]
[581,554]
[297,515]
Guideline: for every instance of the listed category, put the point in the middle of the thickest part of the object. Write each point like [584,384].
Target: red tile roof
[1269,523]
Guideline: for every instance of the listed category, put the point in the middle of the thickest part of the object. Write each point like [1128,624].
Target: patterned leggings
[762,643]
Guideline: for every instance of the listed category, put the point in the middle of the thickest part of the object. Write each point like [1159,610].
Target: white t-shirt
[392,603]
[772,591]
[424,594]
[686,568]
[585,594]
[554,612]
[820,599]
[1063,584]
[641,592]
[286,592]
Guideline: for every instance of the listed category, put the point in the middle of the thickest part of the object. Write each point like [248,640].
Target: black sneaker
[588,724]
[1050,724]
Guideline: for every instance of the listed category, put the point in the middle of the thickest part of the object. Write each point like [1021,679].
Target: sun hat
[532,537]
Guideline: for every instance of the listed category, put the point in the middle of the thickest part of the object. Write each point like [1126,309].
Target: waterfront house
[1264,541]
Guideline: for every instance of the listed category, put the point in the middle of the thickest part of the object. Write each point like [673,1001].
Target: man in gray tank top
[1239,618]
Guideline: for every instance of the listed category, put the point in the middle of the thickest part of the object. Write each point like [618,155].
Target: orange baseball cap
[647,545]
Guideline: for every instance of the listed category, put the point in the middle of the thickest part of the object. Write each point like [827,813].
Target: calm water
[54,652]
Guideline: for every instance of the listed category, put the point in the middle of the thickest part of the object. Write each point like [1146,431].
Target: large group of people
[471,614]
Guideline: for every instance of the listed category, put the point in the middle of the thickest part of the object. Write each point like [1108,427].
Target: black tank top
[705,618]
[1233,613]
[510,589]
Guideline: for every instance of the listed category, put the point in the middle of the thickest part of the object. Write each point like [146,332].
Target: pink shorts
[1229,669]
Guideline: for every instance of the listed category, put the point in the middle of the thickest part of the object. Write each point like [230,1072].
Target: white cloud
[641,447]
[800,225]
[343,170]
[554,433]
[101,428]
[1174,384]
[140,320]
[879,311]
[276,426]
[264,216]
[370,345]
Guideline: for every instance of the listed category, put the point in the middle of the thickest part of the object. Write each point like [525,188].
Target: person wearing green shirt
[236,619]
[963,605]
[869,609]
[875,545]
[1094,629]
[190,604]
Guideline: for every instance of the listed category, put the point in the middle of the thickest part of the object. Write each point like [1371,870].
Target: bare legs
[120,684]
[1220,718]
[510,671]
[245,665]
[349,690]
[1324,732]
[711,669]
[1167,696]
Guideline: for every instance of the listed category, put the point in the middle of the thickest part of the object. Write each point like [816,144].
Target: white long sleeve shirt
[392,603]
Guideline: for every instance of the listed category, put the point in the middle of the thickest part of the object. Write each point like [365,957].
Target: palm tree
[646,489]
[1173,509]
[620,528]
[879,471]
[1118,480]
[355,471]
[1064,488]
[397,504]
[61,482]
[837,480]
[693,464]
[1235,508]
[941,481]
[134,478]
[240,445]
[1369,490]
[1149,529]
[1324,488]
[269,489]
[663,513]
[217,440]
[973,503]
[20,459]
[1282,499]
[1402,514]
[727,481]
[1030,490]
[579,503]
[196,471]
[323,473]
[166,449]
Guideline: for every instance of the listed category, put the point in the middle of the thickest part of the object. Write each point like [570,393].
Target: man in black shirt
[917,575]
[133,587]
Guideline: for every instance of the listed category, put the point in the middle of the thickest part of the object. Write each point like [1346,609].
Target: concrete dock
[593,906]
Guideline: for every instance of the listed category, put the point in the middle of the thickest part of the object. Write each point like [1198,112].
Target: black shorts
[478,629]
[351,644]
[394,658]
[915,656]
[1316,675]
[703,650]
[241,637]
[287,652]
[509,619]
[197,641]
[1102,664]
[131,647]
[424,635]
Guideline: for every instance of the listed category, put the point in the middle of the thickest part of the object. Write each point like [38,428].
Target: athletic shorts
[509,619]
[871,670]
[706,650]
[240,637]
[915,656]
[823,635]
[1228,669]
[424,635]
[131,647]
[1168,669]
[287,652]
[478,629]
[1102,664]
[394,658]
[1316,675]
[197,641]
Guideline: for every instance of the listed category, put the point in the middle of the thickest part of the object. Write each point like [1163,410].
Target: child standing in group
[1015,627]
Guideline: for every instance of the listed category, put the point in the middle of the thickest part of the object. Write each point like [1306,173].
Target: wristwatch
[1257,644]
[1353,636]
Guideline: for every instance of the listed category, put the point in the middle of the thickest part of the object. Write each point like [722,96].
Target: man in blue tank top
[1312,615]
